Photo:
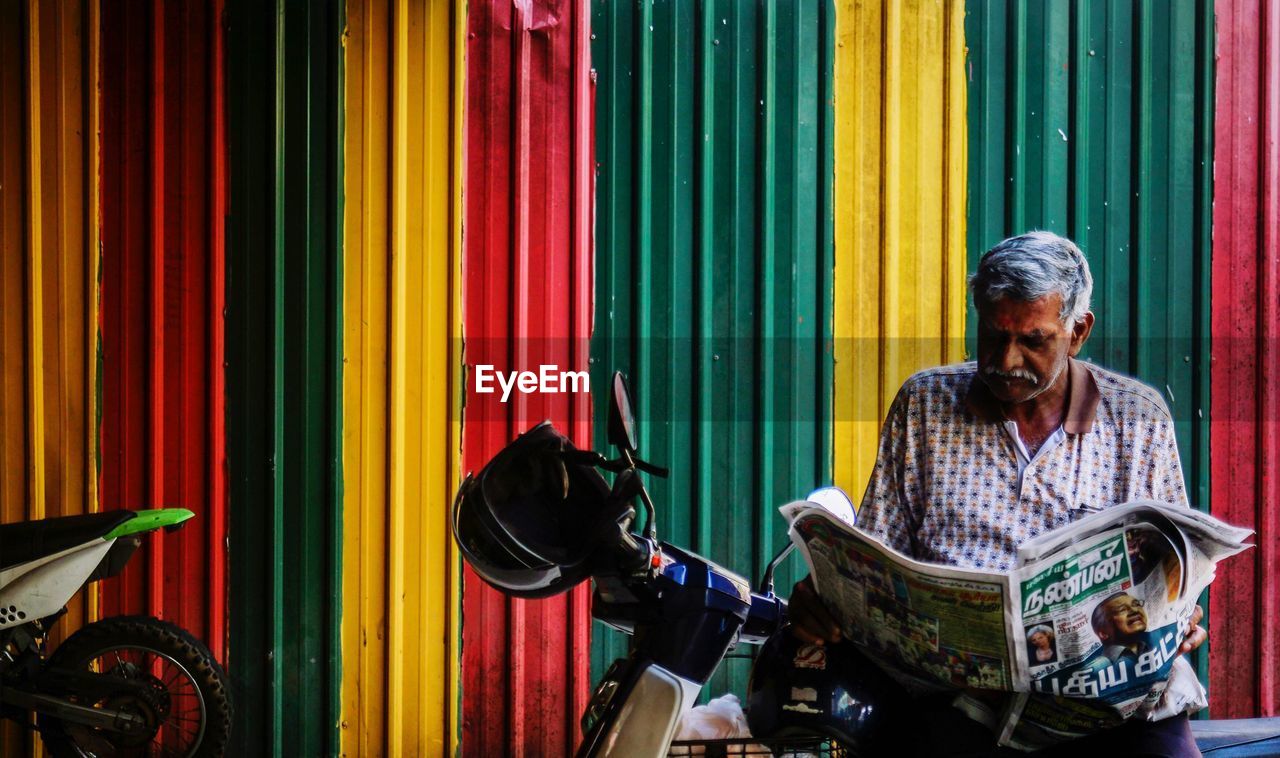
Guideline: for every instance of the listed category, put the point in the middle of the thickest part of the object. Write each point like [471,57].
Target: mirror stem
[766,582]
[650,526]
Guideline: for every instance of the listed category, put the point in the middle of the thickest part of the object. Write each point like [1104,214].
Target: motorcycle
[684,612]
[125,685]
[539,519]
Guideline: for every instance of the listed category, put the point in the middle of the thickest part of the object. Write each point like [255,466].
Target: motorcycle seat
[28,540]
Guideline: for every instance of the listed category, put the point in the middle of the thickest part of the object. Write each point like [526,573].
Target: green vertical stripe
[336,364]
[824,214]
[1197,457]
[250,262]
[284,373]
[281,467]
[714,254]
[1095,120]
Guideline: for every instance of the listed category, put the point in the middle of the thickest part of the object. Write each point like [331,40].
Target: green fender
[147,521]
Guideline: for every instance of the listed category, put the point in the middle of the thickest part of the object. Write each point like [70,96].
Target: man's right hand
[810,620]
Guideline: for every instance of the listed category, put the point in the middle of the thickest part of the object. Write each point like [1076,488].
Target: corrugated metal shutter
[284,399]
[48,275]
[900,142]
[527,270]
[401,371]
[163,173]
[1244,638]
[714,291]
[1095,120]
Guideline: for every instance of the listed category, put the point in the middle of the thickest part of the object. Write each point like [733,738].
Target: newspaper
[1085,629]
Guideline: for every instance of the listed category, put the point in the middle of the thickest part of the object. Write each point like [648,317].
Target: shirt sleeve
[885,511]
[1160,475]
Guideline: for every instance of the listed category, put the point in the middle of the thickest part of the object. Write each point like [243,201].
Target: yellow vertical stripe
[63,249]
[48,266]
[364,424]
[899,210]
[35,288]
[35,270]
[456,388]
[93,262]
[402,234]
[400,700]
[956,138]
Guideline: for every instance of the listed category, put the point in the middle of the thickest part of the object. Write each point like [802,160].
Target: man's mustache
[1017,373]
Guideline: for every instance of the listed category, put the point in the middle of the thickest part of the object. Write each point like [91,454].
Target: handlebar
[637,560]
[768,615]
[617,465]
[636,556]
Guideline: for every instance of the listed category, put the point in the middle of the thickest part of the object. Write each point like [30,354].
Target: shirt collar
[1082,399]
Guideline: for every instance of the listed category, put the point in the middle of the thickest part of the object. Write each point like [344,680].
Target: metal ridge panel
[527,285]
[714,291]
[163,277]
[1244,639]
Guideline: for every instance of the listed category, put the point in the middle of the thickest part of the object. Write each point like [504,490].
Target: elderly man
[975,459]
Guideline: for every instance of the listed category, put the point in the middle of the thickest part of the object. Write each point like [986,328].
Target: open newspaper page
[1105,603]
[1101,619]
[1086,630]
[941,626]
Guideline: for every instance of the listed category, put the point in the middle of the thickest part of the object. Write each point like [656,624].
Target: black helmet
[527,522]
[798,689]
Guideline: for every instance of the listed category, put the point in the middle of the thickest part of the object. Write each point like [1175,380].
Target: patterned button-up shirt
[946,486]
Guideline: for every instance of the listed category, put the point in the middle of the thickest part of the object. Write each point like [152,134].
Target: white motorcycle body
[42,587]
[648,717]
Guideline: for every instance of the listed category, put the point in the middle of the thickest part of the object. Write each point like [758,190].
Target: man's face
[1126,616]
[1023,346]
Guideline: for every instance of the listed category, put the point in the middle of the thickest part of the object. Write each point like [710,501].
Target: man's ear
[1080,333]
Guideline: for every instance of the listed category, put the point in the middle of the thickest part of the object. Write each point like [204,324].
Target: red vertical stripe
[163,208]
[1268,511]
[583,311]
[156,490]
[522,649]
[527,303]
[215,547]
[1245,432]
[487,237]
[124,197]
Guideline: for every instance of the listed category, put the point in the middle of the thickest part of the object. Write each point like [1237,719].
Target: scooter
[683,611]
[125,685]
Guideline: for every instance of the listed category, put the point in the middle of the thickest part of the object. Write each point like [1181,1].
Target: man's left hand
[1195,635]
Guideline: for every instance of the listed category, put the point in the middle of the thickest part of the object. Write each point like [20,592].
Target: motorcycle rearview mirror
[622,434]
[622,422]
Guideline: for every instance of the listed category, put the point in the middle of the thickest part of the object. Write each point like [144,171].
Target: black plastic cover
[28,540]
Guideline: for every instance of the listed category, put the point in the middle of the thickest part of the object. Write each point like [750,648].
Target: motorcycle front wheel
[169,679]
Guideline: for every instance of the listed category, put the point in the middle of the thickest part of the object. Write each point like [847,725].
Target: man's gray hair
[1035,265]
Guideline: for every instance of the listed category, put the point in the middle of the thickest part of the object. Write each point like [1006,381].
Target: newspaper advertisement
[1086,629]
[947,623]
